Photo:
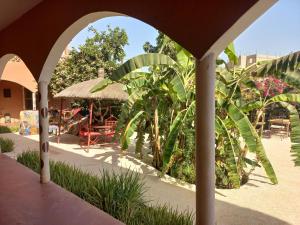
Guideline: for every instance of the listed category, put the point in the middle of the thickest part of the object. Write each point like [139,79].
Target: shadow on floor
[227,214]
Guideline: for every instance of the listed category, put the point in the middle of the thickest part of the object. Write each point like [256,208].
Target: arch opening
[65,38]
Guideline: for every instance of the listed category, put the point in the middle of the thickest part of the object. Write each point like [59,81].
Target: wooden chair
[280,127]
[110,122]
[87,137]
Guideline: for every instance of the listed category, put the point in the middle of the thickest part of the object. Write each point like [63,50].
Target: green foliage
[252,140]
[184,170]
[164,215]
[129,130]
[104,49]
[230,52]
[163,45]
[30,159]
[10,129]
[287,69]
[168,89]
[295,131]
[175,127]
[162,93]
[6,145]
[283,67]
[120,195]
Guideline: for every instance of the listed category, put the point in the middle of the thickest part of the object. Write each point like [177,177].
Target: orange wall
[14,104]
[17,71]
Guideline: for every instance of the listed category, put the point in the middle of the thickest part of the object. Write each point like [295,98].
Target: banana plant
[161,93]
[161,104]
[234,126]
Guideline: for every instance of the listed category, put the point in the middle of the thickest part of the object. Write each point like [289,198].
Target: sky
[277,32]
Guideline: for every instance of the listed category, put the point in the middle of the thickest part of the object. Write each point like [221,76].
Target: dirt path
[256,203]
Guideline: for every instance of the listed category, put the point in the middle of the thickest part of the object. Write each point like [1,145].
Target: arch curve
[65,38]
[192,24]
[4,60]
[17,72]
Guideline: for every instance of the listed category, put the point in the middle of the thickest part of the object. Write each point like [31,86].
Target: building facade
[248,60]
[17,91]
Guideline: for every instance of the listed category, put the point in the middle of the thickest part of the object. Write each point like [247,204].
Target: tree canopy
[103,49]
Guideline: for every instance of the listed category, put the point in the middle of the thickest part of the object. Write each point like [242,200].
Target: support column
[44,131]
[33,101]
[205,140]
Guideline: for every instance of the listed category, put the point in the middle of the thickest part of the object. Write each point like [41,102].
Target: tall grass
[6,145]
[120,195]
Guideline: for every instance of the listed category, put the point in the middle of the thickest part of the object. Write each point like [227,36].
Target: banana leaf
[283,64]
[129,130]
[183,56]
[140,61]
[101,85]
[295,132]
[230,154]
[230,52]
[285,98]
[251,106]
[174,131]
[178,87]
[251,139]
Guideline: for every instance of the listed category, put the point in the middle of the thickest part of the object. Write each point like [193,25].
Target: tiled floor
[24,201]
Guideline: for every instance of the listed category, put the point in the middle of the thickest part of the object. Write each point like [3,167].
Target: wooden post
[205,141]
[59,122]
[90,123]
[44,131]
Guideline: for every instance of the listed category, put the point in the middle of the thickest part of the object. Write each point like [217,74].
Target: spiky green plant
[6,145]
[119,194]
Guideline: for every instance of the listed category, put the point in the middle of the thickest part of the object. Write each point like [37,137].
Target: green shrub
[10,129]
[120,195]
[6,145]
[14,129]
[164,215]
[184,171]
[4,129]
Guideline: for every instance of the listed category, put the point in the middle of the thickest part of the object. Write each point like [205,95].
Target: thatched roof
[82,90]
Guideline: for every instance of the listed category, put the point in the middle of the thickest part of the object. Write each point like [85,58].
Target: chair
[111,123]
[87,137]
[280,127]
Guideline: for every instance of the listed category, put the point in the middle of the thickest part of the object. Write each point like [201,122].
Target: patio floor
[23,200]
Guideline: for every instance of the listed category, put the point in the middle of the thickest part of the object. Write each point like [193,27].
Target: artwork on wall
[29,122]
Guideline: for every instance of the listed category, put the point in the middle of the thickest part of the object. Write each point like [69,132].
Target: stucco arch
[3,61]
[17,72]
[192,24]
[216,45]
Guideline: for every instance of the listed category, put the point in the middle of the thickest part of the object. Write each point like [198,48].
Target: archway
[205,95]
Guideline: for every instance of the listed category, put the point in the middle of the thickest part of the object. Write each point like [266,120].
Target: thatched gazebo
[82,91]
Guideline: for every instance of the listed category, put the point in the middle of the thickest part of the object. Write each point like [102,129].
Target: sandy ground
[256,203]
